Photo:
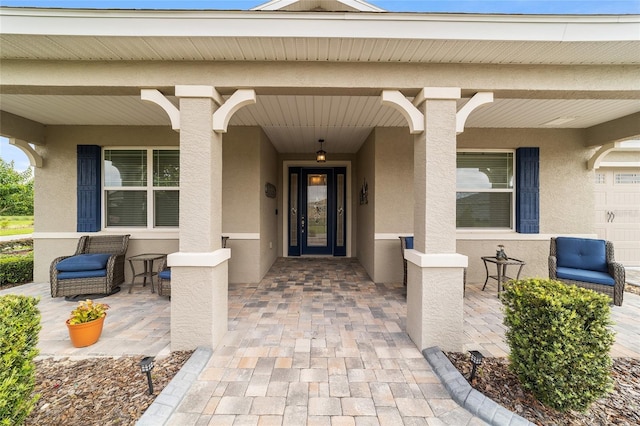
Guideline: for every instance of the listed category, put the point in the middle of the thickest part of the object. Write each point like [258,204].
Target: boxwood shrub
[16,269]
[19,328]
[559,336]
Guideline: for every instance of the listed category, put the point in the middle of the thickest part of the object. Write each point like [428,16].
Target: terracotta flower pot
[87,333]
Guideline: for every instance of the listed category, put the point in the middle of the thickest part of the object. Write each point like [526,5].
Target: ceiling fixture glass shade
[321,156]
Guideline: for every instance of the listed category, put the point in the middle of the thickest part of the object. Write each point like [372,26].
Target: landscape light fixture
[146,365]
[321,156]
[476,361]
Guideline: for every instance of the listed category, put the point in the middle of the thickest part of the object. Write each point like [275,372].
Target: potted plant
[85,323]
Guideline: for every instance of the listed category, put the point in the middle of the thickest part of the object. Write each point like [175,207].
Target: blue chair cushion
[409,242]
[165,275]
[84,262]
[596,277]
[82,274]
[581,253]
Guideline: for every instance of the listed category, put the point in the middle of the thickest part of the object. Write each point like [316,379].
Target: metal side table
[501,266]
[149,272]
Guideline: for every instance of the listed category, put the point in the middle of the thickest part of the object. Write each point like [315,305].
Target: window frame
[149,188]
[512,191]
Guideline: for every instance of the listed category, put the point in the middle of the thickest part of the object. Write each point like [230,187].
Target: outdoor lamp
[146,365]
[476,360]
[321,156]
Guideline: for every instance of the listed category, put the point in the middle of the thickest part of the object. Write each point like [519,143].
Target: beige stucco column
[435,271]
[199,277]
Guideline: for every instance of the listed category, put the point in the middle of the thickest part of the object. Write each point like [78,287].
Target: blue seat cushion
[581,253]
[165,275]
[84,262]
[82,274]
[596,277]
[409,242]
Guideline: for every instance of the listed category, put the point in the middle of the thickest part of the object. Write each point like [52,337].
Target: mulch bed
[98,391]
[495,381]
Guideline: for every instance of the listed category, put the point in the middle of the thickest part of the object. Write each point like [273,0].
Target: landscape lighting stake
[476,360]
[146,365]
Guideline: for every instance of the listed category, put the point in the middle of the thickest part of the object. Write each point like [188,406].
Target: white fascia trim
[361,25]
[438,260]
[209,259]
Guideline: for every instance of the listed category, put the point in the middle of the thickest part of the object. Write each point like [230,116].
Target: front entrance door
[317,211]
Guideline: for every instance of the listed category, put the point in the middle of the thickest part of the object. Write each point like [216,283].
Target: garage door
[617,200]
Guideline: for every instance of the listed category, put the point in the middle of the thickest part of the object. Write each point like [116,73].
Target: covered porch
[329,304]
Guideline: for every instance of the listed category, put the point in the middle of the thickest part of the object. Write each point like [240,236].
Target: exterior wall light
[321,156]
[146,365]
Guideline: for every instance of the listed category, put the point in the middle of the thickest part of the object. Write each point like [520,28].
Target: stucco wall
[394,187]
[241,177]
[566,198]
[268,206]
[365,213]
[55,212]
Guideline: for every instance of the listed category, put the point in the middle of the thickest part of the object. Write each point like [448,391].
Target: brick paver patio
[316,342]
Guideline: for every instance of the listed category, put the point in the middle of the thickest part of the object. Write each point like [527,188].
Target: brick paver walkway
[318,343]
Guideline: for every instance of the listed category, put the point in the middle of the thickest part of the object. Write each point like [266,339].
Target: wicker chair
[96,281]
[405,243]
[164,279]
[567,273]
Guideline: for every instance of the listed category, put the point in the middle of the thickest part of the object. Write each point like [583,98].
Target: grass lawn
[16,225]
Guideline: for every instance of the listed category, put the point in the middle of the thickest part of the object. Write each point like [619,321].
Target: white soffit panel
[532,113]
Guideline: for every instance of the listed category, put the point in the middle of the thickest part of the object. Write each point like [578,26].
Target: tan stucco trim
[210,259]
[436,260]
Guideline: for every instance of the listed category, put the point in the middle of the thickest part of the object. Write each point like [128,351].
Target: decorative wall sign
[270,190]
[364,193]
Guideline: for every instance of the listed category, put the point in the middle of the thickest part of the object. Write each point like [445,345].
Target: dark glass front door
[317,216]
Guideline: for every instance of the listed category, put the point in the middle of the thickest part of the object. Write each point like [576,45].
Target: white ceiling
[295,123]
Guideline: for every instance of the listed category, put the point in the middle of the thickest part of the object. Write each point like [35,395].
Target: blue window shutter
[89,207]
[528,190]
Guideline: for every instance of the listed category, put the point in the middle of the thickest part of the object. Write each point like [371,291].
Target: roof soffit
[320,5]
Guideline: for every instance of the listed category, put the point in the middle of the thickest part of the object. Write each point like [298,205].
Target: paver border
[461,392]
[172,395]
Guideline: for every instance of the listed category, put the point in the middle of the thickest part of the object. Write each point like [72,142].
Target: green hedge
[560,338]
[19,328]
[16,269]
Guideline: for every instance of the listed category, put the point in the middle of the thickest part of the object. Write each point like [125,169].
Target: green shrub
[560,337]
[19,328]
[16,269]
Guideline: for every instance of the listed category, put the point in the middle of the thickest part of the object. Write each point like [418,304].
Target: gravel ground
[98,391]
[621,407]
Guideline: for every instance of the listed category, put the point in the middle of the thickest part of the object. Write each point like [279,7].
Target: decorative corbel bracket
[594,162]
[477,100]
[395,99]
[239,99]
[154,96]
[34,158]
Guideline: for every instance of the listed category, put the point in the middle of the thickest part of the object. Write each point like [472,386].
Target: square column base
[199,306]
[435,304]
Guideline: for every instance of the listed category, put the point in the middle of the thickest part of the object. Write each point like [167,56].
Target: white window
[627,178]
[141,187]
[600,179]
[485,189]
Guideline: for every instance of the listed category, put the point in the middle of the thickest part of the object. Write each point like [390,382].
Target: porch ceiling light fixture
[321,156]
